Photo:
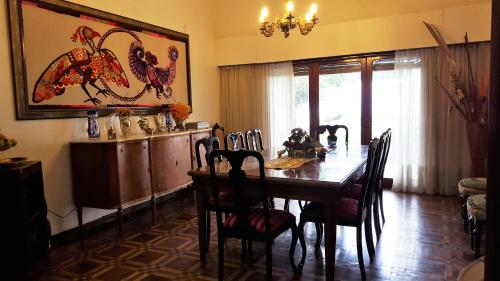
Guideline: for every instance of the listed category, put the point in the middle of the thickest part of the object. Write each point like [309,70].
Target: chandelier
[289,22]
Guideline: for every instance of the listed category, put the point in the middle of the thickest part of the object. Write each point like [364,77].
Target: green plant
[6,143]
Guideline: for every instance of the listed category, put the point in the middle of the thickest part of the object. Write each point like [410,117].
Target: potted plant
[469,97]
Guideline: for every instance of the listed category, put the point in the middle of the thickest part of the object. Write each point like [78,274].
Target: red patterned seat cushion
[278,221]
[347,212]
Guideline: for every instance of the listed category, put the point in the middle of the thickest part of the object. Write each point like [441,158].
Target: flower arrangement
[300,144]
[180,111]
[6,143]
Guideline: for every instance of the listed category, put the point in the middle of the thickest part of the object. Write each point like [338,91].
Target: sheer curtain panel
[430,149]
[257,96]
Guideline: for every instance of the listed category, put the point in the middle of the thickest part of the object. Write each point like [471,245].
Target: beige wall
[391,32]
[47,140]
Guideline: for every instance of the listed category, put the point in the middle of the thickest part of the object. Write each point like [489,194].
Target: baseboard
[92,226]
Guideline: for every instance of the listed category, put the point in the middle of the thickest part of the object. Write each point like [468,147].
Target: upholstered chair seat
[476,211]
[279,221]
[472,186]
[476,206]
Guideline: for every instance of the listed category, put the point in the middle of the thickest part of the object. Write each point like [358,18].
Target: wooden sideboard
[114,174]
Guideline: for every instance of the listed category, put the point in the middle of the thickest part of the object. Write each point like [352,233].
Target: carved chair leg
[269,260]
[359,245]
[295,236]
[381,205]
[251,258]
[465,219]
[220,243]
[369,238]
[477,238]
[208,227]
[472,226]
[319,235]
[376,217]
[286,206]
[243,250]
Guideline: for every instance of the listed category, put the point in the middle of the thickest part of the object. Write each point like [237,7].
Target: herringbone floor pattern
[422,240]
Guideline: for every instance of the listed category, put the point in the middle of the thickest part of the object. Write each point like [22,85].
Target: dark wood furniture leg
[465,215]
[330,237]
[79,214]
[478,225]
[153,208]
[120,221]
[201,199]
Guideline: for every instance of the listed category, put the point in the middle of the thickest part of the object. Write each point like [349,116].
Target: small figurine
[111,130]
[144,124]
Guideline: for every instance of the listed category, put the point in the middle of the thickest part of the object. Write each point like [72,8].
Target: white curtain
[411,155]
[429,151]
[257,96]
[280,97]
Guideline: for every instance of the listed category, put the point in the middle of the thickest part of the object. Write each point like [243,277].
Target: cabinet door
[194,138]
[133,166]
[183,159]
[164,165]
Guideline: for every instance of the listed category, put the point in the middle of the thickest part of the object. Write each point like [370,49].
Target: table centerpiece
[301,145]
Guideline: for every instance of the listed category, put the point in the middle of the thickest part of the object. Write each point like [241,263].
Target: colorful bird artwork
[144,67]
[80,67]
[92,63]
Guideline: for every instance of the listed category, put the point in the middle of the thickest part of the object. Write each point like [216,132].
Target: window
[340,91]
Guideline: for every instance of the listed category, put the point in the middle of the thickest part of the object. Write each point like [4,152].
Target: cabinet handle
[176,163]
[144,147]
[121,149]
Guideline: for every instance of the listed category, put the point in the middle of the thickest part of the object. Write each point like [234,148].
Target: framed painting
[69,59]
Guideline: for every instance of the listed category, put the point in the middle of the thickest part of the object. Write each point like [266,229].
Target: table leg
[330,238]
[201,201]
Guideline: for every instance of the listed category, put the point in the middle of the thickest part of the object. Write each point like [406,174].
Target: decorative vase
[125,125]
[93,124]
[478,146]
[179,125]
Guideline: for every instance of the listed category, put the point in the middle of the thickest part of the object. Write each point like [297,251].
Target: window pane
[340,100]
[301,102]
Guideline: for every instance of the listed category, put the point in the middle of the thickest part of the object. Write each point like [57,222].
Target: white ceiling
[240,17]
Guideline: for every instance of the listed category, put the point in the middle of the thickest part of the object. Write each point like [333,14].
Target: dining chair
[378,203]
[332,130]
[246,222]
[351,212]
[254,140]
[225,199]
[235,141]
[218,131]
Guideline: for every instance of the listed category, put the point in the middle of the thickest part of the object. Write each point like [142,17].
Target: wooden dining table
[320,180]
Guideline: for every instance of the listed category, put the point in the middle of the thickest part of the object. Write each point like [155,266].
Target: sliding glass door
[342,91]
[340,98]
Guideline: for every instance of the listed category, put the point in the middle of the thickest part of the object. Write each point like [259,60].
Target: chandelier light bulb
[314,9]
[309,16]
[289,6]
[264,12]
